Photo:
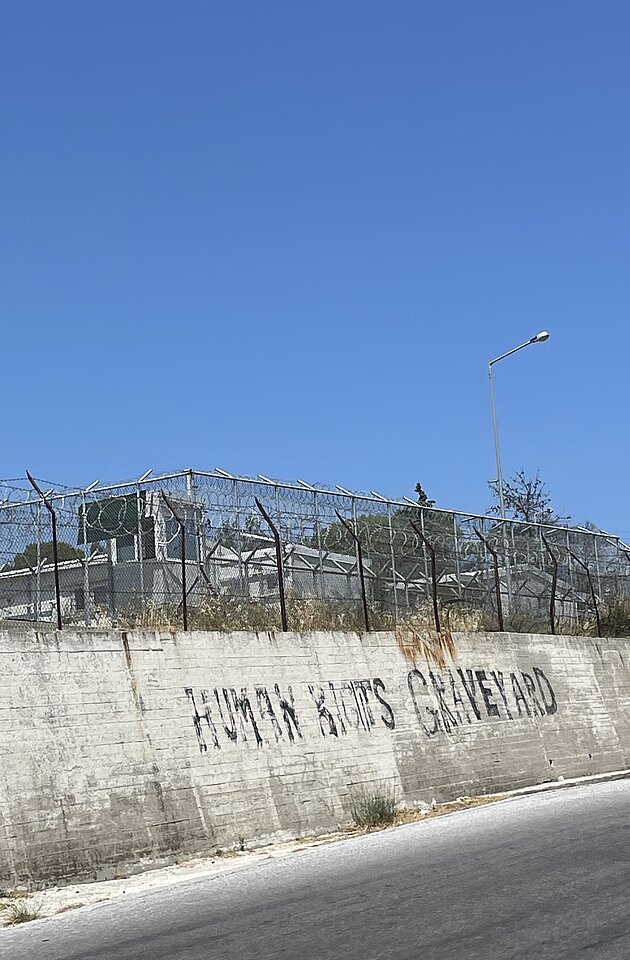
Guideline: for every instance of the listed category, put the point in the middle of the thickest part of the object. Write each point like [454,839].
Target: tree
[376,528]
[239,538]
[32,553]
[383,533]
[589,525]
[525,498]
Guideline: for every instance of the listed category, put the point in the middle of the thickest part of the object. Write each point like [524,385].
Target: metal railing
[206,549]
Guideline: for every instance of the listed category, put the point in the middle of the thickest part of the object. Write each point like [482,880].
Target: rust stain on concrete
[429,645]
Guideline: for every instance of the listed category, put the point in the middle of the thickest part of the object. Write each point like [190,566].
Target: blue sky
[286,238]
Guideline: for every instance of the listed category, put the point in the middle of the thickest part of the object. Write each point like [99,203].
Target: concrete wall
[117,748]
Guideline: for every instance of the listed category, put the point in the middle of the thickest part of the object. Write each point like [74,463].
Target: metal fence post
[424,552]
[554,583]
[87,606]
[458,575]
[53,519]
[320,552]
[497,579]
[392,556]
[593,596]
[597,568]
[38,585]
[279,564]
[243,573]
[431,549]
[182,529]
[140,536]
[357,541]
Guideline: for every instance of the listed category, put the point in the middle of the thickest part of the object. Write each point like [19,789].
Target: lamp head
[540,337]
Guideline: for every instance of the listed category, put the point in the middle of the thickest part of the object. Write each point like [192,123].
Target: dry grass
[615,617]
[70,906]
[17,911]
[227,614]
[377,810]
[416,631]
[441,809]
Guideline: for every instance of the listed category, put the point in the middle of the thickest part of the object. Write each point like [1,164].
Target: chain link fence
[207,550]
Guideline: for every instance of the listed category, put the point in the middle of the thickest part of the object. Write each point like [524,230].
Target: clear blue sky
[286,238]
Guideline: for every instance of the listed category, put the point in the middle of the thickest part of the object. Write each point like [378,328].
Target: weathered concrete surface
[128,747]
[538,878]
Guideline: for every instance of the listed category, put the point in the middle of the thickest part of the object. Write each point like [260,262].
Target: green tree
[378,529]
[383,533]
[238,538]
[525,498]
[31,554]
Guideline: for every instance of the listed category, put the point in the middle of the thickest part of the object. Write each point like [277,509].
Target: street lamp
[539,338]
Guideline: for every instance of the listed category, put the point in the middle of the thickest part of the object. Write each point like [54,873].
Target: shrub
[374,810]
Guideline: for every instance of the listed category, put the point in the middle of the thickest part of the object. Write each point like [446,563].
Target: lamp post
[539,338]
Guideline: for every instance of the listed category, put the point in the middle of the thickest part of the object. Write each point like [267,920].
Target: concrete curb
[562,784]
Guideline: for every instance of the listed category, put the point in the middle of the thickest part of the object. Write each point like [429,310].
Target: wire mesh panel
[239,552]
[26,556]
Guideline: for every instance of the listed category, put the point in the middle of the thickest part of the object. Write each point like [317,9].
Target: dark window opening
[101,597]
[147,532]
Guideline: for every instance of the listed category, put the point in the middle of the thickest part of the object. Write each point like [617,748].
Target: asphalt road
[546,876]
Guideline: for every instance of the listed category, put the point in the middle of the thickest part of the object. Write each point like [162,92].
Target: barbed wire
[122,558]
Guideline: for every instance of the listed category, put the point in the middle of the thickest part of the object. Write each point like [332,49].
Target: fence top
[54,494]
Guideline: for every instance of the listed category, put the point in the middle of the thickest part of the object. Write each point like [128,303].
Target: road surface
[546,876]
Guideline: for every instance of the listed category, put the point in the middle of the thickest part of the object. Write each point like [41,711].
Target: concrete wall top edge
[153,639]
